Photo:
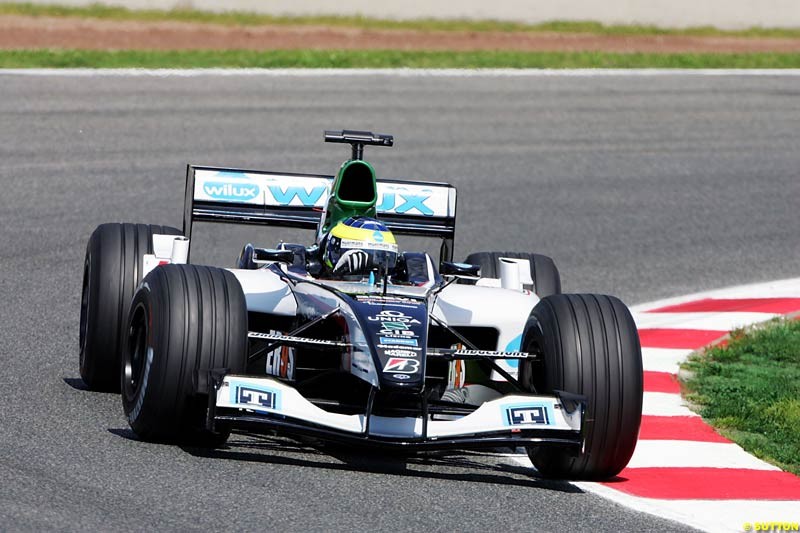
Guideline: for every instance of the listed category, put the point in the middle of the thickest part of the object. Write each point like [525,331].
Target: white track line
[719,321]
[665,404]
[708,515]
[690,454]
[663,359]
[786,288]
[402,72]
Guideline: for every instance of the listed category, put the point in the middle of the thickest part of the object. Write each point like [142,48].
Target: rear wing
[285,199]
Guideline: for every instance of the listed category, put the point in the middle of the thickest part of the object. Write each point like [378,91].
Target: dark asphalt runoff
[643,187]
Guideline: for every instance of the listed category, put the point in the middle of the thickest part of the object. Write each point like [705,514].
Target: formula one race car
[350,339]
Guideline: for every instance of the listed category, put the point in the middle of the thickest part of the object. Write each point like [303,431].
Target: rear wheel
[545,276]
[112,270]
[185,321]
[588,346]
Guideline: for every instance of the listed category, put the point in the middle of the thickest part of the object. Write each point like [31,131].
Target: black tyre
[545,276]
[185,320]
[112,270]
[589,346]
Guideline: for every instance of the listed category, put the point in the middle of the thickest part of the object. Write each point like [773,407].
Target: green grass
[750,391]
[253,19]
[382,59]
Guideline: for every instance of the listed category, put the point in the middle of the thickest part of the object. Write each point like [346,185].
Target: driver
[357,246]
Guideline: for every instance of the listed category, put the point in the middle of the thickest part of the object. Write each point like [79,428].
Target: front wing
[266,404]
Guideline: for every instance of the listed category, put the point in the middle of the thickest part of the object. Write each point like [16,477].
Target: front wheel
[588,345]
[185,320]
[544,274]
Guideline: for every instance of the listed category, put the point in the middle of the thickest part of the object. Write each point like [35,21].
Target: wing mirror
[252,258]
[268,254]
[448,268]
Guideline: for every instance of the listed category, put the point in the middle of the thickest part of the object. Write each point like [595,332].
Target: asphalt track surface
[644,187]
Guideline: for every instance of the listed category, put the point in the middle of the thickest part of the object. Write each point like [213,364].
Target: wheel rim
[533,371]
[135,352]
[84,309]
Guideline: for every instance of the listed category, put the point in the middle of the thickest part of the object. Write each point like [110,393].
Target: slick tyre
[545,276]
[588,345]
[112,270]
[185,320]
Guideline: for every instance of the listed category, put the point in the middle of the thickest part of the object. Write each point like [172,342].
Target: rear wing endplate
[296,200]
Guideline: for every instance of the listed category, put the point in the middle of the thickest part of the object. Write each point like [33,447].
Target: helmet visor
[382,255]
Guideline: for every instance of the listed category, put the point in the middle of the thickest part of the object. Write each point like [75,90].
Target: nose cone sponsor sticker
[401,366]
[398,341]
[400,353]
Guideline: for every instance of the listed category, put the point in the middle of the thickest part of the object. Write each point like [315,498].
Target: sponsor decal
[393,315]
[383,300]
[395,323]
[398,341]
[456,373]
[310,191]
[230,191]
[404,347]
[397,334]
[400,353]
[389,202]
[402,202]
[280,362]
[255,396]
[401,376]
[297,195]
[386,347]
[527,415]
[401,366]
[490,353]
[369,245]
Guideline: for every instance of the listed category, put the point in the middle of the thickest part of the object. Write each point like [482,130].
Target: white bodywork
[458,305]
[486,304]
[506,310]
[166,249]
[270,396]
